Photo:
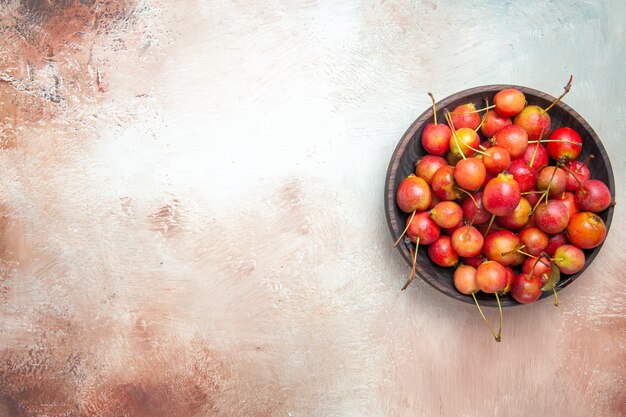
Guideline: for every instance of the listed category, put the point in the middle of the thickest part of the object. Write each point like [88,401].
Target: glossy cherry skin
[509,102]
[524,174]
[534,239]
[512,138]
[436,138]
[534,120]
[526,289]
[494,122]
[586,230]
[565,144]
[413,194]
[593,196]
[501,195]
[551,217]
[465,279]
[467,241]
[491,277]
[426,167]
[442,253]
[424,227]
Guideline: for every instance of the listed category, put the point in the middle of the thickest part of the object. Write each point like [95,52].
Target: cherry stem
[543,194]
[456,139]
[532,192]
[500,311]
[537,259]
[589,158]
[469,194]
[474,111]
[566,88]
[556,298]
[412,274]
[405,229]
[557,141]
[482,120]
[480,310]
[532,160]
[493,216]
[434,107]
[475,150]
[580,185]
[550,184]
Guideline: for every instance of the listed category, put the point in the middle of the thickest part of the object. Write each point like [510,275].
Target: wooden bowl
[410,149]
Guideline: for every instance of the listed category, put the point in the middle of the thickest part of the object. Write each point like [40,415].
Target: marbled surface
[192,215]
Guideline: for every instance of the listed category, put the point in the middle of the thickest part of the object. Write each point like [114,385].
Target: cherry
[554,242]
[442,253]
[551,217]
[491,277]
[470,173]
[413,194]
[436,137]
[577,173]
[509,102]
[467,241]
[518,218]
[473,209]
[526,289]
[501,195]
[540,155]
[535,120]
[569,259]
[447,214]
[553,179]
[465,116]
[512,138]
[443,183]
[502,246]
[464,142]
[422,227]
[465,279]
[532,196]
[493,122]
[496,159]
[593,196]
[427,166]
[586,230]
[564,144]
[570,202]
[534,239]
[524,174]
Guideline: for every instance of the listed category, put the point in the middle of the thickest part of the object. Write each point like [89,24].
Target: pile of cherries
[518,199]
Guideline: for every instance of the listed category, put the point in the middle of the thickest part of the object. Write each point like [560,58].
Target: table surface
[192,214]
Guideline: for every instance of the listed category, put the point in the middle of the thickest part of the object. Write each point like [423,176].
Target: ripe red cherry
[496,159]
[491,277]
[526,290]
[443,183]
[464,140]
[474,260]
[586,230]
[569,259]
[493,122]
[551,217]
[541,156]
[532,196]
[467,241]
[447,214]
[512,138]
[501,195]
[501,245]
[442,253]
[427,166]
[465,279]
[534,120]
[424,227]
[556,181]
[518,218]
[413,194]
[577,171]
[470,173]
[534,239]
[593,196]
[554,242]
[564,144]
[509,102]
[436,138]
[524,174]
[465,116]
[471,213]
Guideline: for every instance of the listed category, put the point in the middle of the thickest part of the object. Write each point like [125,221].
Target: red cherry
[564,144]
[427,166]
[526,289]
[436,138]
[501,195]
[586,230]
[524,174]
[512,138]
[424,227]
[470,173]
[593,196]
[509,102]
[413,194]
[442,253]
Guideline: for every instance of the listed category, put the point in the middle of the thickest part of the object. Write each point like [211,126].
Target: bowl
[410,149]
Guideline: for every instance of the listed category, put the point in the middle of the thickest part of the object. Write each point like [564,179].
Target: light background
[192,210]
